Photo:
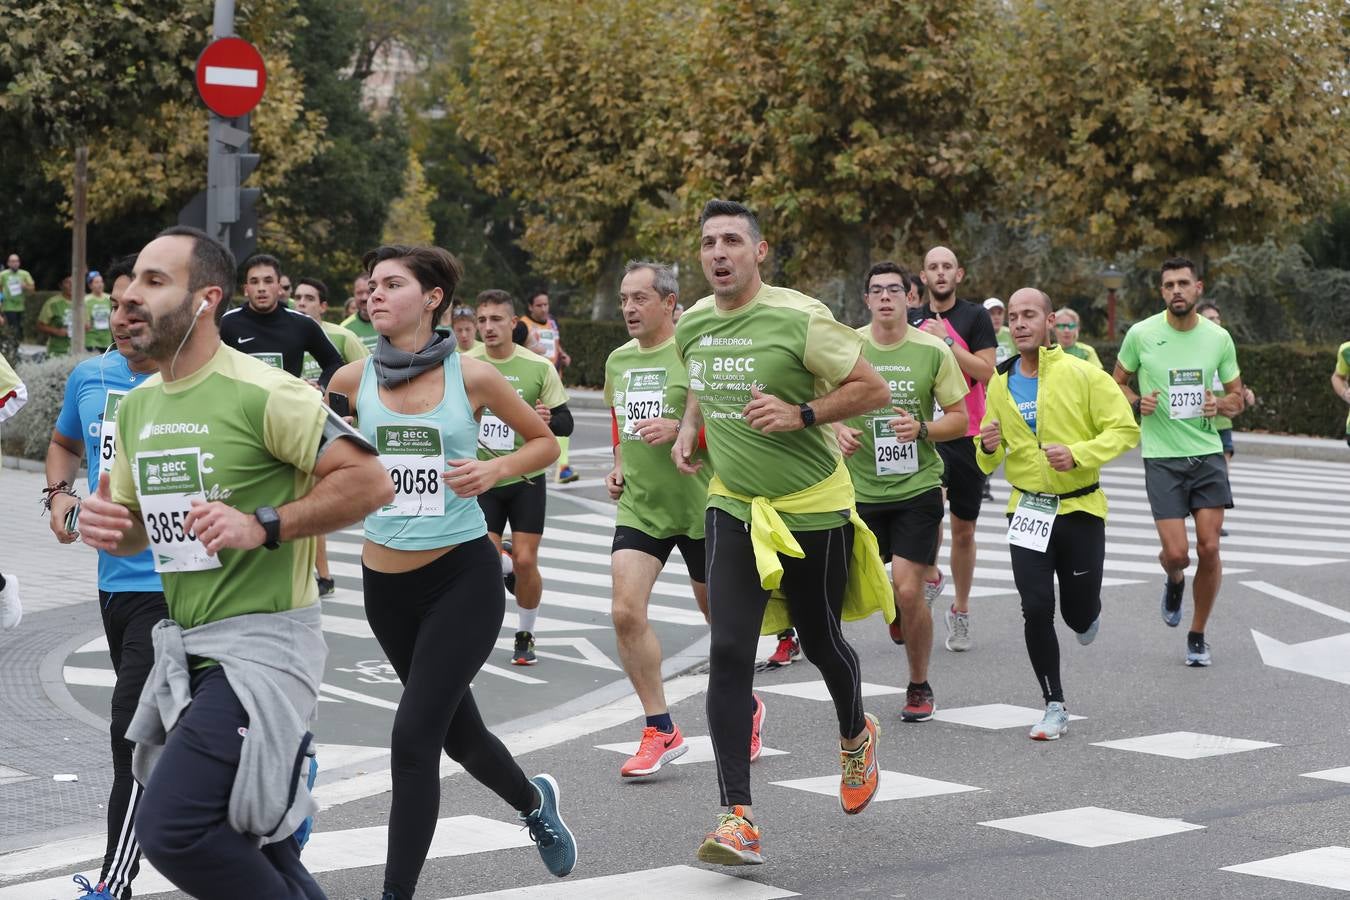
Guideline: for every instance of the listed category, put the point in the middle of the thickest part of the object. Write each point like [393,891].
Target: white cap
[992,302]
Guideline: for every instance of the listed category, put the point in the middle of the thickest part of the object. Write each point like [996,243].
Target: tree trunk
[859,260]
[605,302]
[77,252]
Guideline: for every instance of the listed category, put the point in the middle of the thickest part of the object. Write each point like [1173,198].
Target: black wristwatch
[808,415]
[1135,405]
[271,522]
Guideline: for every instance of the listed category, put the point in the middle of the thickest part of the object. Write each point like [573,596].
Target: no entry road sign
[231,77]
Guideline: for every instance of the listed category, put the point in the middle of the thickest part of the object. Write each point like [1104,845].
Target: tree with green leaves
[409,220]
[71,68]
[571,107]
[1166,127]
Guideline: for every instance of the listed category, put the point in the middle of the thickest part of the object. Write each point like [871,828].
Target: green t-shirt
[1006,349]
[97,313]
[657,500]
[237,431]
[57,313]
[536,381]
[1343,370]
[12,284]
[364,329]
[790,346]
[477,345]
[1084,352]
[348,345]
[921,371]
[1180,365]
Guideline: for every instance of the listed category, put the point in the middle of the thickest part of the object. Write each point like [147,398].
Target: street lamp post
[1113,280]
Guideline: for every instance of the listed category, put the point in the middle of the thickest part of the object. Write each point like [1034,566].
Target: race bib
[166,483]
[893,456]
[102,317]
[107,444]
[272,359]
[1185,393]
[644,397]
[309,369]
[495,434]
[1032,521]
[548,341]
[412,454]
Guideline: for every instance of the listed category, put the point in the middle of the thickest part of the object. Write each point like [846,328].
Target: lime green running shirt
[920,370]
[536,381]
[1180,365]
[56,312]
[12,284]
[788,345]
[97,316]
[364,329]
[1343,370]
[347,344]
[238,431]
[657,500]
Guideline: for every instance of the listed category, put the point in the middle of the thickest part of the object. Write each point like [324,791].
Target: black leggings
[128,618]
[814,586]
[1075,554]
[438,625]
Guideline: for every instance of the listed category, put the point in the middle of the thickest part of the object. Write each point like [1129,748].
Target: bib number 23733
[893,456]
[1186,393]
[166,483]
[412,454]
[1032,521]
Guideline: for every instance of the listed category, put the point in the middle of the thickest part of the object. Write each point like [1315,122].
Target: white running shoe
[958,631]
[1055,723]
[11,610]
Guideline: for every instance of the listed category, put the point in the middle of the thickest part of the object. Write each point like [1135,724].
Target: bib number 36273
[412,454]
[166,484]
[893,456]
[1032,521]
[644,397]
[1185,393]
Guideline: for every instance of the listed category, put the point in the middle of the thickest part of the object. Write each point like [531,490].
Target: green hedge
[589,344]
[29,432]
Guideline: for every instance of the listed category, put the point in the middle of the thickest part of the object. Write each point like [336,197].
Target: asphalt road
[1173,777]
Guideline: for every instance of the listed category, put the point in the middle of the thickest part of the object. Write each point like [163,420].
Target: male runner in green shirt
[97,313]
[646,388]
[226,468]
[1176,353]
[767,367]
[520,501]
[54,320]
[1340,381]
[1006,349]
[896,470]
[14,284]
[358,323]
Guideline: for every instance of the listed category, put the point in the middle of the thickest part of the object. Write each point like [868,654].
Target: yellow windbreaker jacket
[1078,405]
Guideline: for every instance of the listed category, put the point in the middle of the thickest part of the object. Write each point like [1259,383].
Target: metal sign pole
[222,204]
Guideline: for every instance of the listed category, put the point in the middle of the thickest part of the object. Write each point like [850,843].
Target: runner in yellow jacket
[1053,420]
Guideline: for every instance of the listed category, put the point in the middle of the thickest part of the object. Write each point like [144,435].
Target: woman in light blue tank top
[431,576]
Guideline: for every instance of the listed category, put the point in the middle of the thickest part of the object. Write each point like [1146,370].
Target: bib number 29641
[893,456]
[166,483]
[1032,521]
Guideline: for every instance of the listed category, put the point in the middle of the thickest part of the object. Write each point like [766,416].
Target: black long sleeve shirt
[280,338]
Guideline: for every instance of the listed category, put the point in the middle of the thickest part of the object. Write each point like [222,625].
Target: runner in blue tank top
[432,578]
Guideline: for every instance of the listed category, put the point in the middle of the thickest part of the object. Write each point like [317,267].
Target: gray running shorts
[1180,484]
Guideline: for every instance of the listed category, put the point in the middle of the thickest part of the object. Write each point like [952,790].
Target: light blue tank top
[414,448]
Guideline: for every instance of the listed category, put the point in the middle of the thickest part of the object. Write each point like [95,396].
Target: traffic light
[227,210]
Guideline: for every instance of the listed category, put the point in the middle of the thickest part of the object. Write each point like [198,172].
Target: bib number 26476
[1032,521]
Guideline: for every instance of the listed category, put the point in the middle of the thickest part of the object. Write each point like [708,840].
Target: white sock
[527,618]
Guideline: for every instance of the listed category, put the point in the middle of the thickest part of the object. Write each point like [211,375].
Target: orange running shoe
[757,729]
[655,750]
[734,842]
[861,774]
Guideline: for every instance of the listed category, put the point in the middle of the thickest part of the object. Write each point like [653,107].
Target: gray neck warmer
[396,367]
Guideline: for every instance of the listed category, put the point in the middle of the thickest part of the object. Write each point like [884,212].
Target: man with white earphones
[226,468]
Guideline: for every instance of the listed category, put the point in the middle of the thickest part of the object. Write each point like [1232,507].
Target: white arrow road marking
[1316,606]
[226,76]
[1327,658]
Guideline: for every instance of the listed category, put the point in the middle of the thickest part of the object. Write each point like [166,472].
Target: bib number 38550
[1032,521]
[166,484]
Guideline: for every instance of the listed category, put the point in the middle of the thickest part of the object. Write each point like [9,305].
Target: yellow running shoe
[861,774]
[735,842]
